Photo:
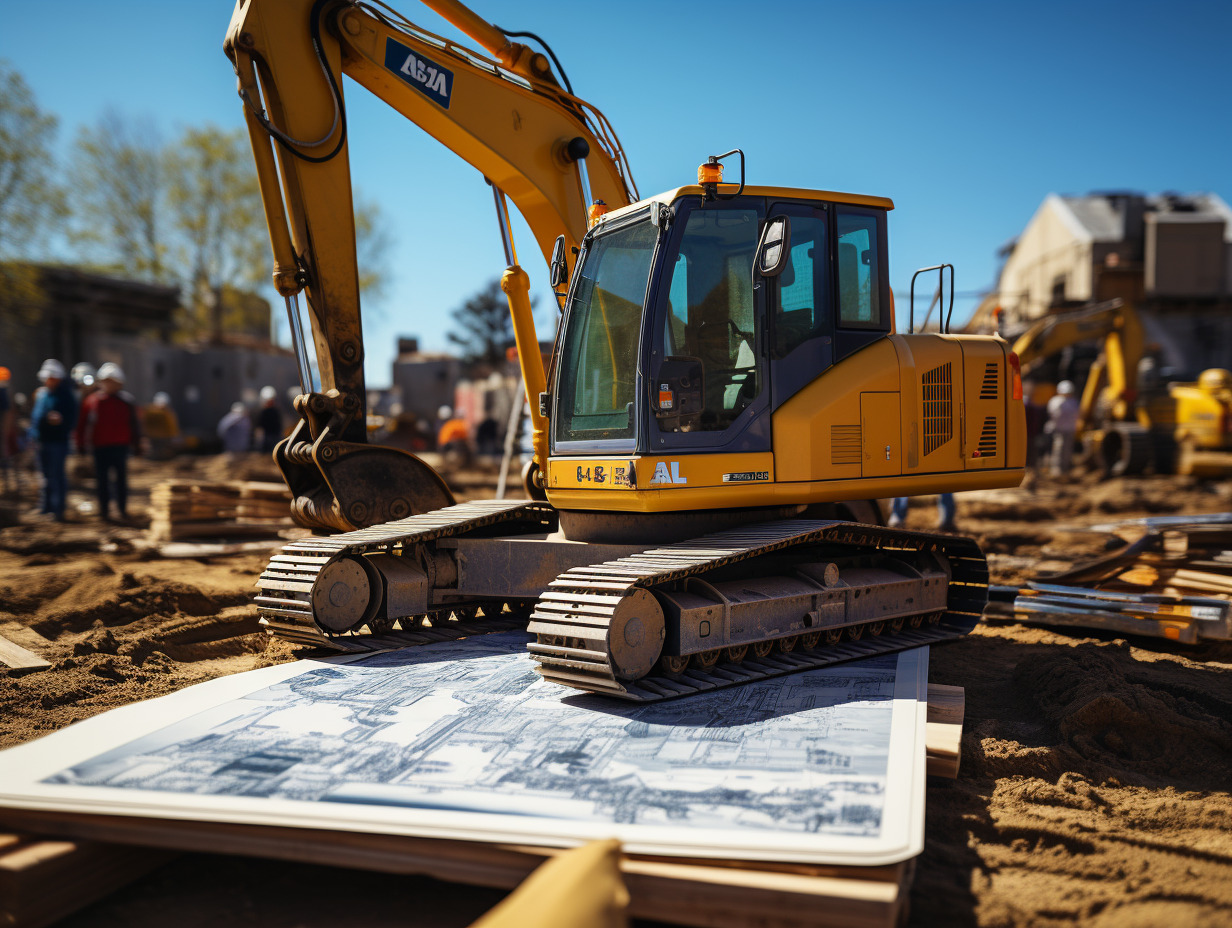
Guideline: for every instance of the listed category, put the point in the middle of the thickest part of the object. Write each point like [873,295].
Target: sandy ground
[1094,787]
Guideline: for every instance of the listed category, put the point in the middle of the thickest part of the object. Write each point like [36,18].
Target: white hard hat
[111,371]
[237,406]
[162,399]
[444,413]
[51,368]
[269,393]
[83,373]
[1065,387]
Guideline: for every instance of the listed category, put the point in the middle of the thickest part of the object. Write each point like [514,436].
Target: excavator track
[578,610]
[285,588]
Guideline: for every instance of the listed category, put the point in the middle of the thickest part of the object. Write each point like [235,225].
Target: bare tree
[483,326]
[372,241]
[220,228]
[119,185]
[31,202]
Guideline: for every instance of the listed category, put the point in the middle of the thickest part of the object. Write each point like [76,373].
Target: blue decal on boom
[428,77]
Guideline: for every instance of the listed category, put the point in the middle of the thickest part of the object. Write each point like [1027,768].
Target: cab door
[707,372]
[801,329]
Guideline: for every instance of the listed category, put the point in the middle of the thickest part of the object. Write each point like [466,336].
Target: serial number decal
[750,476]
[619,475]
[426,76]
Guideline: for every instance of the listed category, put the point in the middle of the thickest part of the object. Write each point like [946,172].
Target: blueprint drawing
[468,726]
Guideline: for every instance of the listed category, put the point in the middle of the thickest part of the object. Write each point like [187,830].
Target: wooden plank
[710,894]
[719,897]
[943,730]
[42,881]
[15,657]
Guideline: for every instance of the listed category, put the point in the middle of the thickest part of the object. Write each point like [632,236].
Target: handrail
[940,269]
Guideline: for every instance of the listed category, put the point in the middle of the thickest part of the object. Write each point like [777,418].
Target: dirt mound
[1094,785]
[1160,726]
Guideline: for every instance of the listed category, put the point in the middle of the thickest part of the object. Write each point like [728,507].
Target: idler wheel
[674,664]
[342,595]
[810,640]
[635,635]
[736,653]
[707,659]
[854,632]
[876,628]
[762,648]
[787,645]
[834,635]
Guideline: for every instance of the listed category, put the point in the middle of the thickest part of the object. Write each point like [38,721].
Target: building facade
[1168,254]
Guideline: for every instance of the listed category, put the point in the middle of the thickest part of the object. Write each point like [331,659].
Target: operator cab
[671,343]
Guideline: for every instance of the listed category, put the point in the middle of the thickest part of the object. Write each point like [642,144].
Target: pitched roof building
[1169,254]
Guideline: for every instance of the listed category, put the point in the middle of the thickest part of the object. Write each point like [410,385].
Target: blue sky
[966,114]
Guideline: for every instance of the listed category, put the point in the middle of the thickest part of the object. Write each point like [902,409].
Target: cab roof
[783,193]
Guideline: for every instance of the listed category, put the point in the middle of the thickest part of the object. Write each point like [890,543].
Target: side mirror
[772,250]
[678,393]
[558,271]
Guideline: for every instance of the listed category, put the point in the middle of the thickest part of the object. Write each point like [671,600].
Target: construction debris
[191,509]
[1174,582]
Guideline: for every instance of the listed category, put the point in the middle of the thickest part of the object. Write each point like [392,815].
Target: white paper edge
[24,766]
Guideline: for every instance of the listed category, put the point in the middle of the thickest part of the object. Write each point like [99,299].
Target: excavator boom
[508,117]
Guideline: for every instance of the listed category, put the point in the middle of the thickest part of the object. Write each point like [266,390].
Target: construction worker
[1062,424]
[235,429]
[51,424]
[85,379]
[453,438]
[7,414]
[269,420]
[161,427]
[945,512]
[109,428]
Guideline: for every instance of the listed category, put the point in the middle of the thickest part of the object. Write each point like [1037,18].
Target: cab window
[597,377]
[711,313]
[859,269]
[802,309]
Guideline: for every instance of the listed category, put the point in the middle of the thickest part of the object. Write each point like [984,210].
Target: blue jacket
[64,401]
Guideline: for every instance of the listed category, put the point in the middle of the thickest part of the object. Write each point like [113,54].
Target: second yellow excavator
[727,375]
[1130,422]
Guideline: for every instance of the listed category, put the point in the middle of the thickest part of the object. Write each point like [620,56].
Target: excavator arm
[1115,376]
[506,115]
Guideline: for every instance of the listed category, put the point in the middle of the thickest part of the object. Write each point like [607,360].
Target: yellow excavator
[726,376]
[1127,422]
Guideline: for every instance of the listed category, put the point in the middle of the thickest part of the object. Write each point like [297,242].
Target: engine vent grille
[992,376]
[938,393]
[987,445]
[845,444]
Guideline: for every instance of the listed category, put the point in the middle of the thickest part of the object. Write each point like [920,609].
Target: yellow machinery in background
[726,375]
[1202,424]
[1127,422]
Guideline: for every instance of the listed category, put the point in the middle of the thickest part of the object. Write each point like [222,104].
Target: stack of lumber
[685,891]
[42,881]
[193,509]
[1174,581]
